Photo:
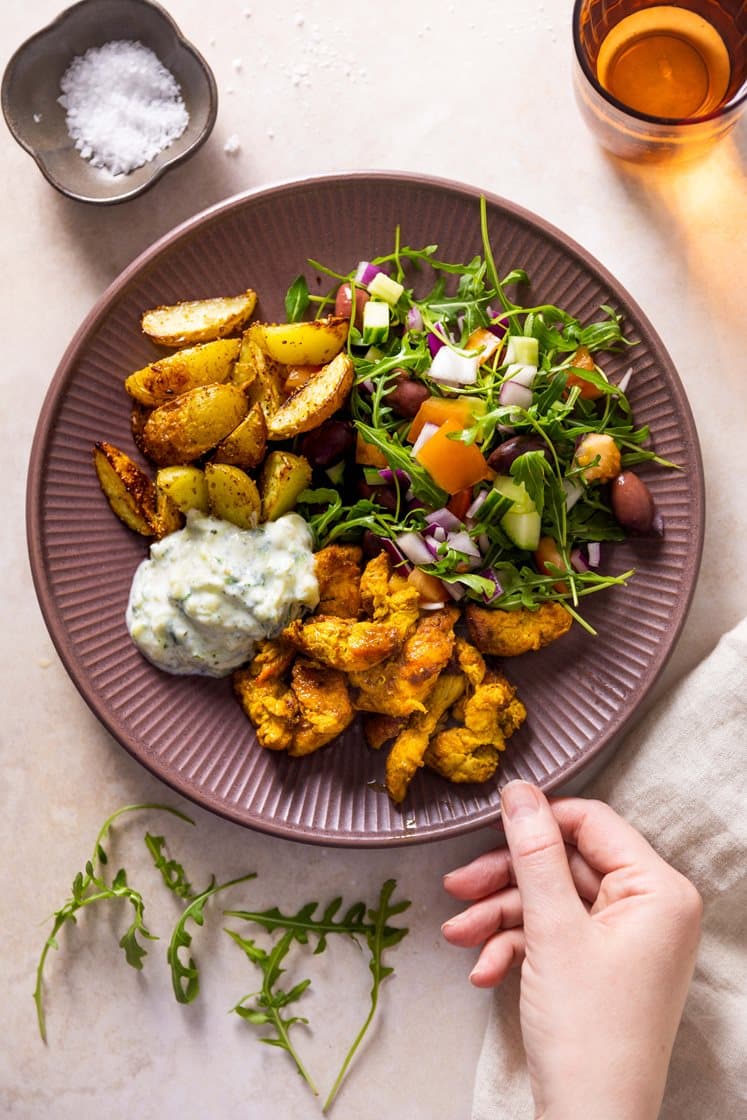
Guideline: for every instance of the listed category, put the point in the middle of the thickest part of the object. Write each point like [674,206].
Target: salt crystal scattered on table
[232,145]
[123,106]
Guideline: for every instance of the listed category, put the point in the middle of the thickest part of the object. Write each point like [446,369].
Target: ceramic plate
[580,692]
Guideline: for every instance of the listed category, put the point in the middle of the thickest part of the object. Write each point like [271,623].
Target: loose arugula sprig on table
[461,299]
[369,925]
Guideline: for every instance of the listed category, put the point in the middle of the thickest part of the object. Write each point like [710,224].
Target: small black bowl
[31,88]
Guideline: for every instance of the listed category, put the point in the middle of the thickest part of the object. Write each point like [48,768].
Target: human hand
[606,934]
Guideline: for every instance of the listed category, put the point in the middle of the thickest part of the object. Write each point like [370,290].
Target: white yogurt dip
[209,592]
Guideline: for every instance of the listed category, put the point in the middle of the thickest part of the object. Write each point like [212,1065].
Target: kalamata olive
[632,502]
[501,458]
[371,544]
[344,302]
[384,495]
[407,395]
[328,443]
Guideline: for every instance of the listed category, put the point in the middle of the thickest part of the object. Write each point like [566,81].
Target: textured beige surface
[481,94]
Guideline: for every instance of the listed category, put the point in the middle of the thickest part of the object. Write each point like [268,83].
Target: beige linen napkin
[681,778]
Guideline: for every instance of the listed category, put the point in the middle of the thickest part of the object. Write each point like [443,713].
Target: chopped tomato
[459,503]
[485,340]
[298,376]
[437,410]
[582,359]
[366,455]
[452,465]
[547,557]
[429,588]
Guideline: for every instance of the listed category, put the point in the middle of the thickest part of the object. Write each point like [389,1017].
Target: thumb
[538,856]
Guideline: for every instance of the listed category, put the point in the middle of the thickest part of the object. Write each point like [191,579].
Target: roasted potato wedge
[138,416]
[232,495]
[185,486]
[283,477]
[303,344]
[198,320]
[182,430]
[321,396]
[169,516]
[250,362]
[264,389]
[206,364]
[245,445]
[129,491]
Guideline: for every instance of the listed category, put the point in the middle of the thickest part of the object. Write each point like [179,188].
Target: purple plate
[190,732]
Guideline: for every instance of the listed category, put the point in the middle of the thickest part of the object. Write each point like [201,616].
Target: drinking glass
[657,81]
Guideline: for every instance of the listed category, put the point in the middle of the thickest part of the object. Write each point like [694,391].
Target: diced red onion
[456,590]
[514,395]
[397,475]
[484,542]
[490,574]
[594,553]
[368,385]
[577,561]
[426,432]
[434,342]
[521,374]
[573,491]
[452,368]
[432,606]
[396,556]
[366,271]
[462,542]
[475,506]
[414,548]
[445,519]
[625,380]
[414,319]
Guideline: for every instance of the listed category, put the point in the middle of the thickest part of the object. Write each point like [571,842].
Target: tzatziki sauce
[210,591]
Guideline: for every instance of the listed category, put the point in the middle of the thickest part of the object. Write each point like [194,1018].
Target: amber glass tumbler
[667,113]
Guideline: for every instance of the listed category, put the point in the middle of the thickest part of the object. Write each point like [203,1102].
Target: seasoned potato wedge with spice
[251,361]
[182,430]
[284,477]
[198,320]
[245,446]
[208,363]
[321,396]
[304,344]
[185,486]
[129,491]
[232,495]
[264,389]
[138,416]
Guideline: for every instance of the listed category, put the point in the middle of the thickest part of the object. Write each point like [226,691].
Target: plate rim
[37,473]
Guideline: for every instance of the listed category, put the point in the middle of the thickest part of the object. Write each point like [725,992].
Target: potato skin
[245,446]
[305,344]
[184,429]
[284,477]
[317,400]
[200,320]
[186,369]
[185,486]
[232,495]
[130,493]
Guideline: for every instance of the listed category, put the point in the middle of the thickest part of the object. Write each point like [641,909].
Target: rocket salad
[488,444]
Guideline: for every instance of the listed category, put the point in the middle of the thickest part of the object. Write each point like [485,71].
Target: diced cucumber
[523,349]
[523,528]
[516,491]
[336,473]
[375,322]
[383,287]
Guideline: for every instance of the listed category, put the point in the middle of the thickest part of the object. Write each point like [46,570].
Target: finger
[488,873]
[586,880]
[504,951]
[481,920]
[539,859]
[606,841]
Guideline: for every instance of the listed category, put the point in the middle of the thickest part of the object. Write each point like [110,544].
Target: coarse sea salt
[122,105]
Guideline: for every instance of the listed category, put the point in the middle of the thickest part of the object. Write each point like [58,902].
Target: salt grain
[232,145]
[123,106]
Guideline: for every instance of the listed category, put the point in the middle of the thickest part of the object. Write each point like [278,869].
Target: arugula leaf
[185,979]
[359,921]
[400,458]
[172,872]
[89,887]
[297,299]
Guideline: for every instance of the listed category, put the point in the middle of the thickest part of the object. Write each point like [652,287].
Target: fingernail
[519,799]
